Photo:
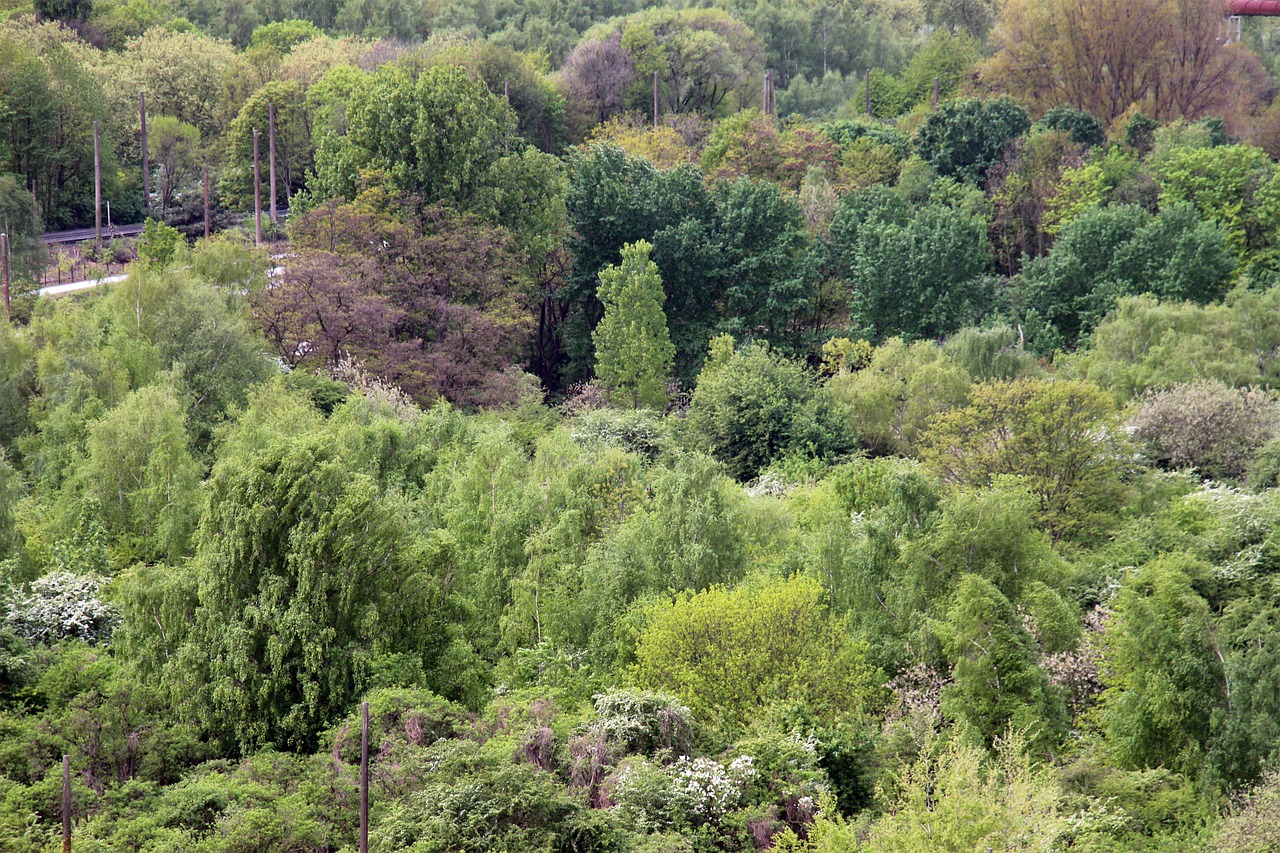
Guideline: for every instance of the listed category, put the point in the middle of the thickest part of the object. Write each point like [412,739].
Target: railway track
[80,235]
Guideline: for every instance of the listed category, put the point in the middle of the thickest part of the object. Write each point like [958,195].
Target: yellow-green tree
[731,653]
[1061,436]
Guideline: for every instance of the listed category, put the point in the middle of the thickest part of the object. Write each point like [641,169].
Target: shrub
[756,406]
[63,605]
[1208,426]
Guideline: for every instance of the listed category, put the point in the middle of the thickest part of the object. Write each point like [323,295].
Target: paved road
[73,286]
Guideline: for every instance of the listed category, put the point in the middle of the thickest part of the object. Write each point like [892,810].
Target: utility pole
[257,195]
[655,100]
[146,155]
[66,803]
[206,202]
[364,777]
[4,272]
[97,191]
[271,156]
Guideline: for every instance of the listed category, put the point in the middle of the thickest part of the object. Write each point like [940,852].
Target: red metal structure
[1254,8]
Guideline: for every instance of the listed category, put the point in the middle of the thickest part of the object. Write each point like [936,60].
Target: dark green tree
[754,406]
[1083,128]
[919,274]
[765,292]
[1110,252]
[967,136]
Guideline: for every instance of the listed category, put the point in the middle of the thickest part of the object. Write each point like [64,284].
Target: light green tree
[731,653]
[141,473]
[960,799]
[1061,436]
[634,352]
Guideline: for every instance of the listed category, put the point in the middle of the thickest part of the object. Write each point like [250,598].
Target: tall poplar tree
[634,352]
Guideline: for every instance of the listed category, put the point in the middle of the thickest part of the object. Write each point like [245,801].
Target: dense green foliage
[885,460]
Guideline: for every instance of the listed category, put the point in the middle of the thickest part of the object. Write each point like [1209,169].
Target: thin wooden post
[655,100]
[97,191]
[271,156]
[935,93]
[257,195]
[206,202]
[146,156]
[66,803]
[506,89]
[364,777]
[4,272]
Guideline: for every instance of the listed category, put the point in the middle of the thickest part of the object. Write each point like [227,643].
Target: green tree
[283,36]
[158,245]
[1059,435]
[49,101]
[1232,185]
[729,654]
[175,151]
[141,477]
[897,395]
[295,154]
[688,535]
[200,333]
[967,136]
[18,220]
[1245,743]
[305,576]
[1163,669]
[633,348]
[995,684]
[758,406]
[436,133]
[705,60]
[183,73]
[10,492]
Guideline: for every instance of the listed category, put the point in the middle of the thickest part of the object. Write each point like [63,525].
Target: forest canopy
[696,428]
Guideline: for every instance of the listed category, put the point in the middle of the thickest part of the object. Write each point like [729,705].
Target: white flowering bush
[63,605]
[636,721]
[788,779]
[688,792]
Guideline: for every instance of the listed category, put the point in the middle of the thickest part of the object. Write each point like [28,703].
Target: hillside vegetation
[810,468]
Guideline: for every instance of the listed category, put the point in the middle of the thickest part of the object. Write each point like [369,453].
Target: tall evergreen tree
[634,352]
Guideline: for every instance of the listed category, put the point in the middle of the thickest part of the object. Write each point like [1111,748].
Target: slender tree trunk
[146,155]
